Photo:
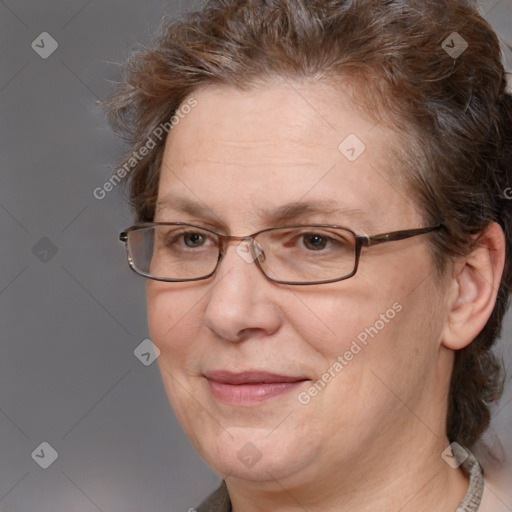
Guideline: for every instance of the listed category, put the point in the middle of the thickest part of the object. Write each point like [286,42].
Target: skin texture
[373,436]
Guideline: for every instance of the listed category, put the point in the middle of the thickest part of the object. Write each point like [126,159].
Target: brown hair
[455,106]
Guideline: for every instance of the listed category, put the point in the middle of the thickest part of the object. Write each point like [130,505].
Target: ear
[474,287]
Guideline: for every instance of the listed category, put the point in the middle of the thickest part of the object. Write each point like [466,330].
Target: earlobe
[475,285]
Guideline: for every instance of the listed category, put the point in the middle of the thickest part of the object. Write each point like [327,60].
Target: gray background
[71,319]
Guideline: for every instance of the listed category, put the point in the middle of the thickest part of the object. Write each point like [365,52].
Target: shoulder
[218,501]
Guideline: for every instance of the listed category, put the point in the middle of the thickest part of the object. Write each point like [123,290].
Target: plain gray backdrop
[72,312]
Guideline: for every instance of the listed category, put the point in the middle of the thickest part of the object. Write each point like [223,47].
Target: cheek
[174,324]
[331,321]
[174,319]
[379,328]
[401,357]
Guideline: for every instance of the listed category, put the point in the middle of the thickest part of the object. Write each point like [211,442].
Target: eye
[315,241]
[178,239]
[319,241]
[193,239]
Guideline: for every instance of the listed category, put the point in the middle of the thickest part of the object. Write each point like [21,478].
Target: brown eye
[193,239]
[314,241]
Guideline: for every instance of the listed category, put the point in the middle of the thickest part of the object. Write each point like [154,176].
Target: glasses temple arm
[399,235]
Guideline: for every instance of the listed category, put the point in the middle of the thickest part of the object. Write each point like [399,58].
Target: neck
[413,477]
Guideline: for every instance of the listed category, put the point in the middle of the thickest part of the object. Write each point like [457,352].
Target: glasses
[301,254]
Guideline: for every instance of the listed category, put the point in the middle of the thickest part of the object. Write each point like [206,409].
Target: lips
[250,387]
[250,377]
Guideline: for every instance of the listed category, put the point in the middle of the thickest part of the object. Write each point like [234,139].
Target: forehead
[240,155]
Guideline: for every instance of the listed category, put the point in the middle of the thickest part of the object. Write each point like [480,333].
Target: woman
[318,189]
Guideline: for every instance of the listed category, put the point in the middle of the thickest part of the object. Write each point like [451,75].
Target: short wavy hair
[451,110]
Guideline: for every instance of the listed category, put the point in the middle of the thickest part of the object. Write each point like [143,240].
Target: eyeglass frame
[360,242]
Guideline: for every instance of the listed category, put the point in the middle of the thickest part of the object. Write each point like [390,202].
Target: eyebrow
[290,212]
[300,209]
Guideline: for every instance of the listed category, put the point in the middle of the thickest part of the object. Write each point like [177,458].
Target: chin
[251,454]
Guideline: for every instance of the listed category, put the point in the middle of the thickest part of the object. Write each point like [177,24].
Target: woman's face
[356,369]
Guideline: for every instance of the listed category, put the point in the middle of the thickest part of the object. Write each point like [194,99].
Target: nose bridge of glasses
[247,248]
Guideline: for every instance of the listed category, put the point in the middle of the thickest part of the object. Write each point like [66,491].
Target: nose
[242,301]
